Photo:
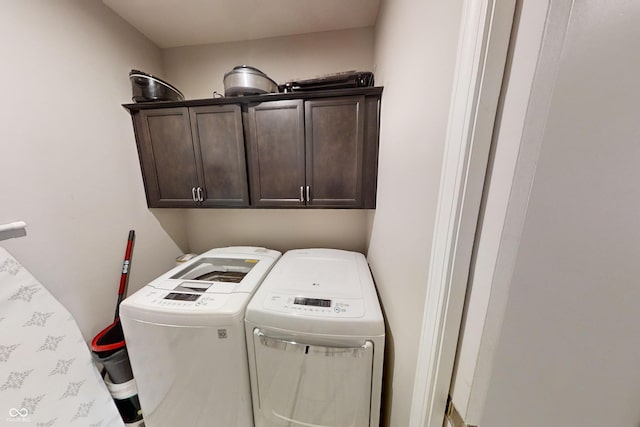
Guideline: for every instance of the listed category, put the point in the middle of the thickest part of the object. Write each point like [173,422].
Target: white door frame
[482,49]
[518,138]
[469,135]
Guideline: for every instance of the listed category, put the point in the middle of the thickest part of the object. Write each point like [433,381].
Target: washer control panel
[314,306]
[180,300]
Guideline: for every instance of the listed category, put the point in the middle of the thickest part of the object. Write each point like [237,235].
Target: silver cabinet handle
[193,194]
[301,193]
[308,195]
[200,198]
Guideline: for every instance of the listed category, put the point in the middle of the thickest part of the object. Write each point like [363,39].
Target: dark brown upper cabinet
[334,139]
[219,140]
[276,151]
[192,157]
[316,153]
[314,149]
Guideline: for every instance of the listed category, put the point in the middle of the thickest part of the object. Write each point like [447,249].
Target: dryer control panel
[314,305]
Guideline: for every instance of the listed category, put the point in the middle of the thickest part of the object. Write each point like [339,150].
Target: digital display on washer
[312,301]
[182,297]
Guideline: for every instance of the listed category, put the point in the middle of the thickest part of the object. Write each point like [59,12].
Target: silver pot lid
[247,69]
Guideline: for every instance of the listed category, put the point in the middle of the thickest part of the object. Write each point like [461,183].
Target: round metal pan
[246,80]
[146,87]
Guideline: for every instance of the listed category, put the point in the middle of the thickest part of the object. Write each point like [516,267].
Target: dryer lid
[319,274]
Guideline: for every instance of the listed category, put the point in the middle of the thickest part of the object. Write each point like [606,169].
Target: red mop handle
[124,277]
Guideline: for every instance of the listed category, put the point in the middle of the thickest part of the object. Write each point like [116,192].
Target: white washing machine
[185,337]
[315,338]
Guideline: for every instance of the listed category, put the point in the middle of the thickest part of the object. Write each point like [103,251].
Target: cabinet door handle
[200,198]
[193,194]
[308,194]
[302,193]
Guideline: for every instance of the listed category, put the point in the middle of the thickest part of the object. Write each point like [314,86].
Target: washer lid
[220,270]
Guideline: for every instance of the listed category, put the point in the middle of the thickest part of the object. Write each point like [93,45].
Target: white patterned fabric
[47,375]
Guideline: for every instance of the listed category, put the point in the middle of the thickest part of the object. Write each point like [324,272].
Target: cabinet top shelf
[255,98]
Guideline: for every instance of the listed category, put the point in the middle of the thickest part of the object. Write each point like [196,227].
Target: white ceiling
[173,23]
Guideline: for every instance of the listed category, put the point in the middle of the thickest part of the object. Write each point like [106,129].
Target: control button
[337,309]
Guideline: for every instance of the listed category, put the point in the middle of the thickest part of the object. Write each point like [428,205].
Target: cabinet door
[301,384]
[167,157]
[276,149]
[334,130]
[219,141]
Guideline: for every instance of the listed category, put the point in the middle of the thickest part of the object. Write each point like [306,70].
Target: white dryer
[185,337]
[315,339]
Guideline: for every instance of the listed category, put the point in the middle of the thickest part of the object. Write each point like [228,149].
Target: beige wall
[198,71]
[415,52]
[277,228]
[68,162]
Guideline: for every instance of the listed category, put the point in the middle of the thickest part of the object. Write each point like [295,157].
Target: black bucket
[109,349]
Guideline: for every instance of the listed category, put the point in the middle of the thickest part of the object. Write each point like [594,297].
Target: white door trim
[518,139]
[482,49]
